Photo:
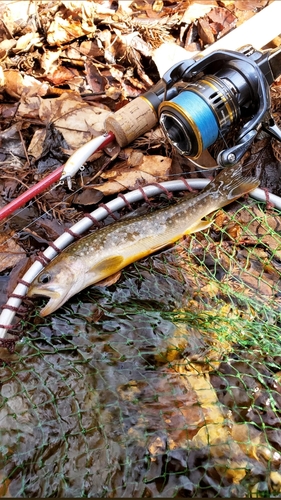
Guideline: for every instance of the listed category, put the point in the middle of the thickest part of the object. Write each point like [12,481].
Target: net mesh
[166,384]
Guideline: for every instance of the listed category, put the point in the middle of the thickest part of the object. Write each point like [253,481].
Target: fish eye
[44,278]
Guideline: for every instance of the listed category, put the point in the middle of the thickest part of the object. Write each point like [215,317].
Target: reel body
[208,106]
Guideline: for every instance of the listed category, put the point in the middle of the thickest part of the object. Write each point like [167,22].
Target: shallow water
[148,387]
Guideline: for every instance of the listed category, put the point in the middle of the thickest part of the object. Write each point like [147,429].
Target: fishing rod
[196,102]
[187,127]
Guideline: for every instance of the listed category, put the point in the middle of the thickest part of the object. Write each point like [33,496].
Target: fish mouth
[56,299]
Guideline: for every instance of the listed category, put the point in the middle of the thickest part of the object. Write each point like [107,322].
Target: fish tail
[232,183]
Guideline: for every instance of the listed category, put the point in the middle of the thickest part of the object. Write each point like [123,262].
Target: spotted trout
[103,253]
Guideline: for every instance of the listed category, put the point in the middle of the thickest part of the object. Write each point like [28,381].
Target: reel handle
[228,157]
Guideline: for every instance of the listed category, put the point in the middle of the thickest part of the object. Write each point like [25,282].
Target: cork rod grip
[131,121]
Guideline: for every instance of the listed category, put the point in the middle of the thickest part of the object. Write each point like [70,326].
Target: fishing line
[223,138]
[38,198]
[64,172]
[30,204]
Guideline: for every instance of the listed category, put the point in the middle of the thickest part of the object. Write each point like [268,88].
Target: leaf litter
[191,406]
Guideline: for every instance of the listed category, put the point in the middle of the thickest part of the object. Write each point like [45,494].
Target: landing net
[166,384]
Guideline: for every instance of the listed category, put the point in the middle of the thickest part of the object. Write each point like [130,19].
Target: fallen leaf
[62,75]
[166,403]
[95,80]
[221,16]
[7,45]
[13,83]
[49,58]
[158,5]
[63,30]
[4,487]
[36,146]
[205,31]
[126,180]
[135,41]
[10,252]
[253,5]
[29,107]
[109,50]
[150,169]
[88,197]
[17,15]
[75,119]
[253,442]
[275,478]
[27,41]
[90,48]
[10,141]
[124,9]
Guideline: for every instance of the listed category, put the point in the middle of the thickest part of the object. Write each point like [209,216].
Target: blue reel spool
[198,117]
[200,113]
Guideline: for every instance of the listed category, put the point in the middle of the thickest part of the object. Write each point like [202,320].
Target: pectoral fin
[108,266]
[198,226]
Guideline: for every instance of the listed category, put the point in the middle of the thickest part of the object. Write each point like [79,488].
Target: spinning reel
[200,101]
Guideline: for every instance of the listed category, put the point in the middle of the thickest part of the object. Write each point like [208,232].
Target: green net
[166,384]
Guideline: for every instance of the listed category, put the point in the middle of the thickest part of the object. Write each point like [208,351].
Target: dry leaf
[252,5]
[62,30]
[109,50]
[88,197]
[124,9]
[133,40]
[127,180]
[62,75]
[27,41]
[10,252]
[49,58]
[95,80]
[90,48]
[76,120]
[253,442]
[18,14]
[36,145]
[151,169]
[29,108]
[11,142]
[205,31]
[275,478]
[4,486]
[13,83]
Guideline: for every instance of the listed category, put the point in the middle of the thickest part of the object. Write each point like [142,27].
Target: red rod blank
[31,192]
[42,185]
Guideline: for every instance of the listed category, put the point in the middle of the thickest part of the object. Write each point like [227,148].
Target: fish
[96,257]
